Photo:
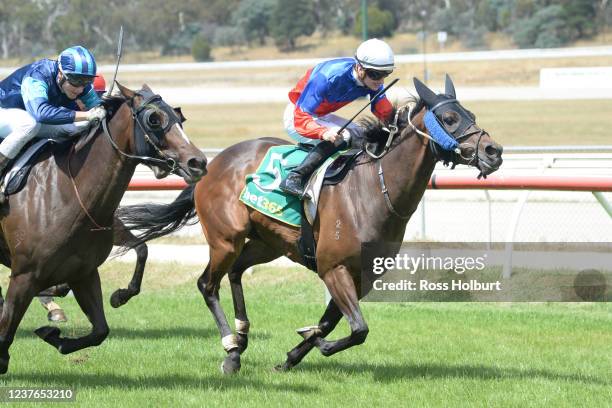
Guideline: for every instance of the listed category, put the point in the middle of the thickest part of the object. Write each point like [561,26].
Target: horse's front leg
[341,286]
[327,324]
[88,294]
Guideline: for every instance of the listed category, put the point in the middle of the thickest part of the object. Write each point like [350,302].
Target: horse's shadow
[81,380]
[150,333]
[392,372]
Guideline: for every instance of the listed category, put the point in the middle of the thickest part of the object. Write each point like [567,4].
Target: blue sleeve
[34,92]
[90,97]
[313,94]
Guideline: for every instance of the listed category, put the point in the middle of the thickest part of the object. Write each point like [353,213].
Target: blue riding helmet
[77,62]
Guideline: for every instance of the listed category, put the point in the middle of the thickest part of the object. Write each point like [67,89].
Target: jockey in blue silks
[38,97]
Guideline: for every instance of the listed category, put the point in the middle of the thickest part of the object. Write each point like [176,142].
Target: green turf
[164,350]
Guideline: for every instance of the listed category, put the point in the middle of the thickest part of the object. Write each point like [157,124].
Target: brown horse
[59,227]
[372,204]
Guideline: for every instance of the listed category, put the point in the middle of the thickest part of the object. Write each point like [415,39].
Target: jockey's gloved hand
[98,113]
[331,135]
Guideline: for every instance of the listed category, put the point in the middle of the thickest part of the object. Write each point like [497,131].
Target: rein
[76,190]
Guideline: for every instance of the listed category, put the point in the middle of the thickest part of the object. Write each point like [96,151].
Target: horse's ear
[179,113]
[128,93]
[426,94]
[449,88]
[145,87]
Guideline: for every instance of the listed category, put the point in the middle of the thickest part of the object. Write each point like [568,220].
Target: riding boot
[4,161]
[295,181]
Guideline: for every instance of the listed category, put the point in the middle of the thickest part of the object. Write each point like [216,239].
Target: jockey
[326,88]
[44,93]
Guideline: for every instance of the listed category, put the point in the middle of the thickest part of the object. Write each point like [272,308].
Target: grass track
[164,349]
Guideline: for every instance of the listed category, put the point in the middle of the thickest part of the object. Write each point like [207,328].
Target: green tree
[546,28]
[291,19]
[380,23]
[200,48]
[579,16]
[253,17]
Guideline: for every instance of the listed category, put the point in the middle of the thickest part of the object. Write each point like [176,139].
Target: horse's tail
[149,221]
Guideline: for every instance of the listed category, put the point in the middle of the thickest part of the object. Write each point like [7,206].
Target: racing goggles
[377,75]
[78,80]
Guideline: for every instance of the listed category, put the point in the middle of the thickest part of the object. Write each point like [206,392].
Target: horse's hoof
[57,316]
[4,363]
[118,298]
[49,334]
[309,331]
[229,366]
[283,368]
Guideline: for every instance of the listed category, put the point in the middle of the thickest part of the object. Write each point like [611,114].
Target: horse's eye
[450,118]
[156,119]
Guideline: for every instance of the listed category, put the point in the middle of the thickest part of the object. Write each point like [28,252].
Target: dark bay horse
[372,204]
[59,227]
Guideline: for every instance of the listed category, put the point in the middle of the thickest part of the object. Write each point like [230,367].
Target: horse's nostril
[493,150]
[197,165]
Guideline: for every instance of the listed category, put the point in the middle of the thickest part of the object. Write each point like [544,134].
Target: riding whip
[382,91]
[119,51]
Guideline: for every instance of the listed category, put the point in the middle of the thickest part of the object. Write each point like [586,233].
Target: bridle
[140,133]
[439,154]
[144,141]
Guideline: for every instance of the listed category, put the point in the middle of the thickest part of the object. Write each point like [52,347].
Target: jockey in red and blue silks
[43,94]
[326,88]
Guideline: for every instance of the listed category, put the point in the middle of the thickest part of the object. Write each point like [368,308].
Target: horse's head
[159,140]
[458,139]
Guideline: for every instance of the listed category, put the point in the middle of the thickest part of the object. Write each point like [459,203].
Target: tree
[380,23]
[253,17]
[545,29]
[200,48]
[579,16]
[291,19]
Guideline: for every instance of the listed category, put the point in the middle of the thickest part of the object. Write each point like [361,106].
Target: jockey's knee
[26,125]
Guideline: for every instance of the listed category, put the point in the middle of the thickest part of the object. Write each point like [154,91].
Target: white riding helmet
[375,54]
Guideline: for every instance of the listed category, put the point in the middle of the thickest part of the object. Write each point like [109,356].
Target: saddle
[18,170]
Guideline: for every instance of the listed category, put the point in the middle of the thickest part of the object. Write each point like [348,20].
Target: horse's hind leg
[88,294]
[18,297]
[123,237]
[255,252]
[327,324]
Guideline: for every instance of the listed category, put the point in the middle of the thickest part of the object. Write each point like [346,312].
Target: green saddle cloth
[261,191]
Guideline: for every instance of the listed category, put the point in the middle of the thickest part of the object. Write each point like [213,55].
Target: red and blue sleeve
[311,98]
[382,108]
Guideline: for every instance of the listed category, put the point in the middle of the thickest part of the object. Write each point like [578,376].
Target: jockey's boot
[295,181]
[3,163]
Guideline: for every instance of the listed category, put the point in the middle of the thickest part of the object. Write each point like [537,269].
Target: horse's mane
[374,130]
[112,104]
